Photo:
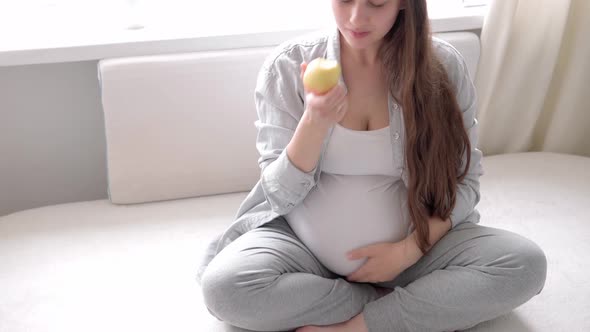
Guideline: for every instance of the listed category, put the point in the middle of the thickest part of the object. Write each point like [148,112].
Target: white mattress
[94,266]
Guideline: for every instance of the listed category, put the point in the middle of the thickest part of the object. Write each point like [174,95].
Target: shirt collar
[333,50]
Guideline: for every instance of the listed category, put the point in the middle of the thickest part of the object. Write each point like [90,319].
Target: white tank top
[359,199]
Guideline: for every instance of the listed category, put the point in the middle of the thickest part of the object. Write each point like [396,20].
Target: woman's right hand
[326,109]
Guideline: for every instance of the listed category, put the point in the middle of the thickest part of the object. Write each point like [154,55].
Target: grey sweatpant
[267,280]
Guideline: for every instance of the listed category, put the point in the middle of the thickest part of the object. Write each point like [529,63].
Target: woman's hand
[385,260]
[326,109]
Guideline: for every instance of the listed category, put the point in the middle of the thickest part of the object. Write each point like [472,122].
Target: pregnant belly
[346,212]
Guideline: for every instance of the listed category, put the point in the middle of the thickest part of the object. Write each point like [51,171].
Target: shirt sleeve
[468,194]
[279,106]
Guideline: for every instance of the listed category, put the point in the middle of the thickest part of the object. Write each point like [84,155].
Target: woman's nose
[358,15]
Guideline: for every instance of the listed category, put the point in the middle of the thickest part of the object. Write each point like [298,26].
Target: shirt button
[396,136]
[395,106]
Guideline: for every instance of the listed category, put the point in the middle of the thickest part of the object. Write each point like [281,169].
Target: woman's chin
[360,44]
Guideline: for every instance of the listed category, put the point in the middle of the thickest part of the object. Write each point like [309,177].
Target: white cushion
[95,266]
[182,125]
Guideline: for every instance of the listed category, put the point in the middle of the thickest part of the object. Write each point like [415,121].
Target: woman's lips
[359,34]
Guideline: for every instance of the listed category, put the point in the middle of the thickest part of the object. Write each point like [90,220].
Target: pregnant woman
[364,216]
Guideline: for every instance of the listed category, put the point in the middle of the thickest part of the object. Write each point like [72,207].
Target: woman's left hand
[385,260]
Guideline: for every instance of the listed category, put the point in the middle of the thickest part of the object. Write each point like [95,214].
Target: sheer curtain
[533,79]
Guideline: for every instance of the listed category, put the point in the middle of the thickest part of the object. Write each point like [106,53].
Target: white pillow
[180,125]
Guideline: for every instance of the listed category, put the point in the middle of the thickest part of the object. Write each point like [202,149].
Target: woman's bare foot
[355,324]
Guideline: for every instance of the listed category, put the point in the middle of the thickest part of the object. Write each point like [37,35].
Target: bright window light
[182,14]
[68,23]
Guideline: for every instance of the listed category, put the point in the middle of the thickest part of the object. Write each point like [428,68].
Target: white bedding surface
[95,266]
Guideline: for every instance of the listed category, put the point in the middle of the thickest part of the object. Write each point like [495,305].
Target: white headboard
[182,125]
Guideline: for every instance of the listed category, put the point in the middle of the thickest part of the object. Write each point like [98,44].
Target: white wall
[52,144]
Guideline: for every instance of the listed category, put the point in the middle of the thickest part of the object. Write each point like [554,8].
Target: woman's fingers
[335,94]
[331,105]
[343,107]
[330,99]
[303,67]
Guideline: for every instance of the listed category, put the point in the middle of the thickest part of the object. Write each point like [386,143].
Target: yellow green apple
[321,75]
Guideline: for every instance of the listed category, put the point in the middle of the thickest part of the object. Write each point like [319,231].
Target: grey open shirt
[280,103]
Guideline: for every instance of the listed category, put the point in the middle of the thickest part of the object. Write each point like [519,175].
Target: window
[48,23]
[472,3]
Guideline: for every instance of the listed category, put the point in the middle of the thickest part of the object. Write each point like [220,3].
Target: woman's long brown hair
[436,139]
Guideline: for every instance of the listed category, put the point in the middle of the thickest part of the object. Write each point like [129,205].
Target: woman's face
[373,18]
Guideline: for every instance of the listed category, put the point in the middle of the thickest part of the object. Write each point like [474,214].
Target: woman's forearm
[305,146]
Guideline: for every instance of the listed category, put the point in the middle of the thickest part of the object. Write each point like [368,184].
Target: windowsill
[99,39]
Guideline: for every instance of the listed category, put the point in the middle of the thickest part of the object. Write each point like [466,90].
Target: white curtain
[533,78]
